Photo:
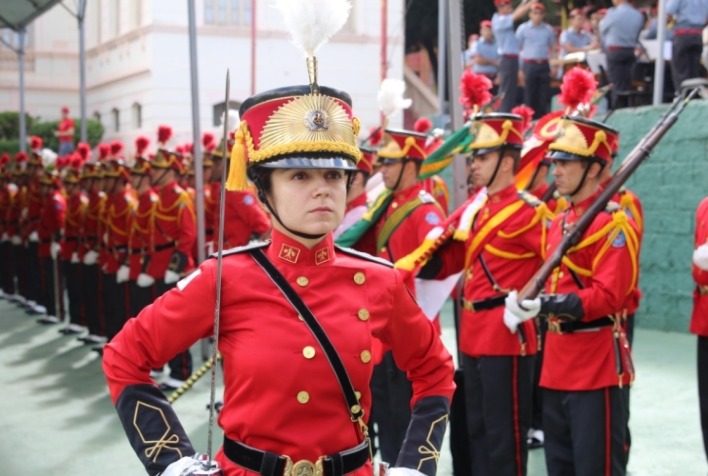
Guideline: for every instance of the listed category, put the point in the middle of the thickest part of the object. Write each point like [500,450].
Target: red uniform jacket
[12,219]
[77,204]
[119,213]
[142,231]
[631,205]
[51,221]
[243,215]
[605,262]
[33,206]
[92,223]
[175,229]
[512,251]
[302,413]
[699,317]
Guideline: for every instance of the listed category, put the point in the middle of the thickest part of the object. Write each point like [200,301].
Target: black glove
[567,307]
[178,262]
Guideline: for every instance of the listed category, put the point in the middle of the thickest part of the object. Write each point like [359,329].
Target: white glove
[5,237]
[122,274]
[34,236]
[54,249]
[700,257]
[16,240]
[515,314]
[91,257]
[180,467]
[189,465]
[74,257]
[145,280]
[402,471]
[171,277]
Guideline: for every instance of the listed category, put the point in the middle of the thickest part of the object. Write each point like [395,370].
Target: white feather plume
[48,157]
[311,23]
[232,119]
[391,98]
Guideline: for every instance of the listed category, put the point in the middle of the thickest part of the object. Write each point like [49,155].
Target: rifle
[640,152]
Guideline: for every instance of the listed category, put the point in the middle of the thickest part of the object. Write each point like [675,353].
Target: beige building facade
[138,64]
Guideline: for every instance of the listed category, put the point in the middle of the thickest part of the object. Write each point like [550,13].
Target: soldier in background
[29,220]
[691,16]
[49,231]
[90,249]
[699,316]
[537,42]
[119,213]
[619,30]
[508,46]
[173,239]
[77,204]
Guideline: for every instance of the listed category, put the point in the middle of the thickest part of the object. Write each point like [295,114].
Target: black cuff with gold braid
[421,448]
[154,431]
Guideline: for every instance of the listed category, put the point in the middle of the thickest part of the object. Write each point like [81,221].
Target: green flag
[443,155]
[352,234]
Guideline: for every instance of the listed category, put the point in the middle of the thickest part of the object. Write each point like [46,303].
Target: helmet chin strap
[263,198]
[496,168]
[400,175]
[160,177]
[585,175]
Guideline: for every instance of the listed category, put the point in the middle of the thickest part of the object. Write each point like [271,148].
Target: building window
[115,114]
[97,117]
[228,12]
[137,116]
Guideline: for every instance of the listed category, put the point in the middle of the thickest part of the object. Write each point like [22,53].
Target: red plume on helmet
[61,162]
[116,148]
[375,136]
[578,87]
[4,159]
[104,151]
[423,125]
[36,143]
[76,161]
[164,133]
[141,145]
[20,157]
[84,150]
[474,90]
[207,139]
[526,114]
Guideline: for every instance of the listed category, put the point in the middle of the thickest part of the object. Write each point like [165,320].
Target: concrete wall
[670,184]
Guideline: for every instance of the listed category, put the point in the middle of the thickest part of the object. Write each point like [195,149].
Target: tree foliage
[10,131]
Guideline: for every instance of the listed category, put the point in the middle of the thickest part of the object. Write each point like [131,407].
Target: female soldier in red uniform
[283,402]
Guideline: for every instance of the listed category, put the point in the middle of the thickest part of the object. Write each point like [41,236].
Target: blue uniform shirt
[575,39]
[486,50]
[688,13]
[621,26]
[503,28]
[535,41]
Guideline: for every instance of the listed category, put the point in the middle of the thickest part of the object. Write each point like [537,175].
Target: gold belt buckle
[554,326]
[467,305]
[303,467]
[703,289]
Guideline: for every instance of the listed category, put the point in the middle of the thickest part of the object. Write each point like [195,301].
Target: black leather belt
[136,251]
[117,249]
[271,464]
[69,239]
[484,304]
[165,246]
[559,327]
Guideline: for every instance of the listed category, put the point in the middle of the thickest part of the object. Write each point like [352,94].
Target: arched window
[115,115]
[137,118]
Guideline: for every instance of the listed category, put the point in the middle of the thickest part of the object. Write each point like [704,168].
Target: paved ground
[57,419]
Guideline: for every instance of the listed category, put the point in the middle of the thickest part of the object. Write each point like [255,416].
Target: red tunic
[512,252]
[51,221]
[142,231]
[33,206]
[302,412]
[65,125]
[119,213]
[75,218]
[92,223]
[12,219]
[699,316]
[607,267]
[175,229]
[243,216]
[631,205]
